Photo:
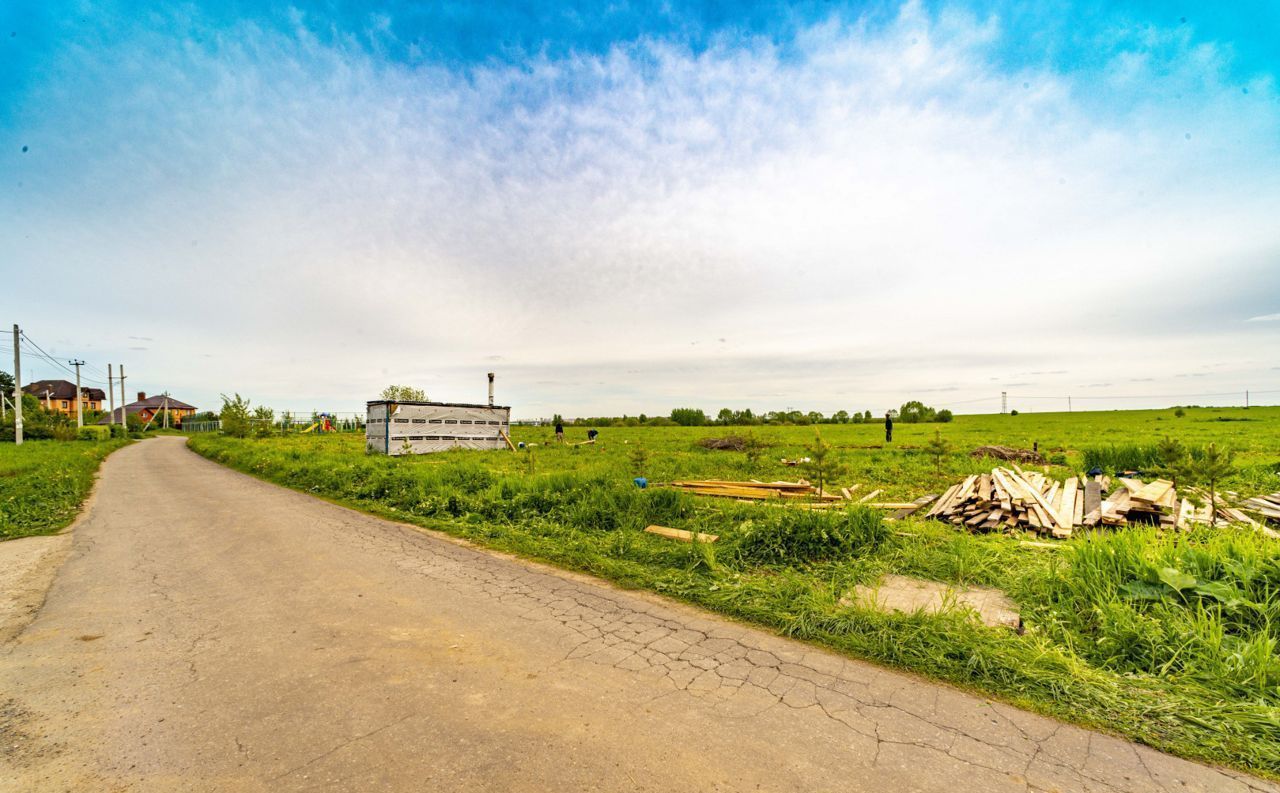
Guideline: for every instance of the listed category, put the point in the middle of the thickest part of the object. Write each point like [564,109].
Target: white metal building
[396,428]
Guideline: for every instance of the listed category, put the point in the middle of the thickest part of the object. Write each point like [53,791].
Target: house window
[64,404]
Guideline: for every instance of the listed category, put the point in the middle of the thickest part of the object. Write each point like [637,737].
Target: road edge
[22,602]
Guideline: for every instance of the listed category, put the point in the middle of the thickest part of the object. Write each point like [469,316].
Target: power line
[1139,396]
[42,353]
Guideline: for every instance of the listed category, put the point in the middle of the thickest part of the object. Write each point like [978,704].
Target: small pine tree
[822,466]
[1174,460]
[639,459]
[1209,468]
[939,447]
[753,448]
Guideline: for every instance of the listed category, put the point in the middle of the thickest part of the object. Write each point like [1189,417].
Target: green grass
[43,483]
[1170,640]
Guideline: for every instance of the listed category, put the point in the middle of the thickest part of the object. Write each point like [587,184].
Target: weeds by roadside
[1168,639]
[43,483]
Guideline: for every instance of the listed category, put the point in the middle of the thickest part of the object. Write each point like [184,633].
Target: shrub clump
[805,535]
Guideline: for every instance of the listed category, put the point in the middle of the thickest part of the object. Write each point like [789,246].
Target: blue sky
[625,207]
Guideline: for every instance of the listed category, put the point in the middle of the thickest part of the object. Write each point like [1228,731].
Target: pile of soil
[731,443]
[1008,453]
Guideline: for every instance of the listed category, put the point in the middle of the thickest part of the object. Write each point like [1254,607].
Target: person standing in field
[888,428]
[560,431]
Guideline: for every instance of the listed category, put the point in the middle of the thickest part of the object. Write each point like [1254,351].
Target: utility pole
[1068,404]
[17,388]
[79,409]
[1246,399]
[111,395]
[124,418]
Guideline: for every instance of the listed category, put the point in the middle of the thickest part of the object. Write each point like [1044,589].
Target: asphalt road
[209,631]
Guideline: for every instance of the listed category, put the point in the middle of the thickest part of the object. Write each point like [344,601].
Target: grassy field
[43,483]
[1170,640]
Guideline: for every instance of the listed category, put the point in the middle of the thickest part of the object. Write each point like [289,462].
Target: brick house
[60,395]
[146,408]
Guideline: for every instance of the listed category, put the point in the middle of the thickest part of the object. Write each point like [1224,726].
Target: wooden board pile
[756,491]
[800,492]
[1266,506]
[1016,500]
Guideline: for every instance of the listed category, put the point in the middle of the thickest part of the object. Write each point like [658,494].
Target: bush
[235,416]
[117,430]
[807,535]
[94,433]
[944,416]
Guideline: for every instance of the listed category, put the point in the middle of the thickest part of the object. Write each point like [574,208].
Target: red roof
[61,389]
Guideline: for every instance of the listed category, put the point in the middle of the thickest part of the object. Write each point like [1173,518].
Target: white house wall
[422,429]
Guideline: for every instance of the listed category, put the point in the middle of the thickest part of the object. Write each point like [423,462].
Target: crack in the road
[737,669]
[341,745]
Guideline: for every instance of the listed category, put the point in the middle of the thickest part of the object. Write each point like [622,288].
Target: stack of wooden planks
[1266,506]
[800,492]
[1016,500]
[1011,499]
[756,491]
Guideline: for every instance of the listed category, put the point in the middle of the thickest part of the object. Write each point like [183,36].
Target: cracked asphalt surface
[213,632]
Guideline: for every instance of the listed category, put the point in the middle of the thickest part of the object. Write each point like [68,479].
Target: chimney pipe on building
[142,395]
[491,389]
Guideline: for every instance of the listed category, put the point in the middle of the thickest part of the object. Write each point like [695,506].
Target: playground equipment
[323,425]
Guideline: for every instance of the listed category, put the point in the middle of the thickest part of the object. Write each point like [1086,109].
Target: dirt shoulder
[27,568]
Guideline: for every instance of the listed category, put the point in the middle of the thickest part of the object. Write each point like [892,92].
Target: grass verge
[1168,640]
[43,483]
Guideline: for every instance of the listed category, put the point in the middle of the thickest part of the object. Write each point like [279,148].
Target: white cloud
[880,213]
[1265,318]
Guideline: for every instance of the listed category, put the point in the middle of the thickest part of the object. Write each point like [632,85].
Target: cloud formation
[864,214]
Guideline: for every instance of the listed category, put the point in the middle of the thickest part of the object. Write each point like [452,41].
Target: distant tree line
[913,412]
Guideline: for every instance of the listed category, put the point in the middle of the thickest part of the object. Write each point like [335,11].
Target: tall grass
[1121,457]
[43,483]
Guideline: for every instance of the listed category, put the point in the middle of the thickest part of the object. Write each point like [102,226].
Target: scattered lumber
[798,492]
[754,491]
[680,534]
[914,506]
[1010,454]
[1268,507]
[1011,499]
